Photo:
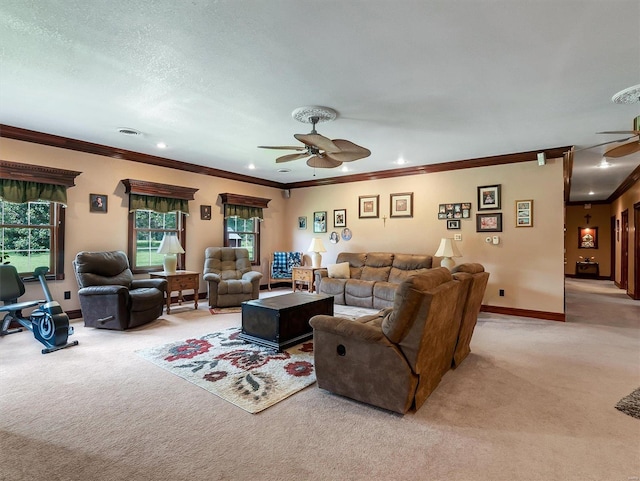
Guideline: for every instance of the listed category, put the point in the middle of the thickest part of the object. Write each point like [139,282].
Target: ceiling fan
[624,149]
[322,151]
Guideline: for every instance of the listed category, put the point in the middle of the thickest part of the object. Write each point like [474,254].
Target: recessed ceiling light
[401,161]
[284,171]
[128,131]
[345,168]
[591,192]
[604,163]
[251,166]
[161,145]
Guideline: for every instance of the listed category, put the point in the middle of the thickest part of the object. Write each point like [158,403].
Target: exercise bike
[48,322]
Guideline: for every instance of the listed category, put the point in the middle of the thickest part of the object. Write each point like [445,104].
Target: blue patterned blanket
[283,263]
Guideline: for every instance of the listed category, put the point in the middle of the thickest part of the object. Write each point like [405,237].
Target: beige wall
[600,218]
[624,202]
[98,231]
[527,264]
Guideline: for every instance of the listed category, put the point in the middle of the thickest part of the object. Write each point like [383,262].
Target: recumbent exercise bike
[48,322]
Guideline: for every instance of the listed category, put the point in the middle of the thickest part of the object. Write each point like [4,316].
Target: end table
[179,281]
[304,275]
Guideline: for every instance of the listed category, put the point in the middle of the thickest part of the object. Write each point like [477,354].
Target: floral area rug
[225,310]
[247,375]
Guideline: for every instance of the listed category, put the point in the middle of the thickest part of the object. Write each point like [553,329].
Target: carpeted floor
[534,401]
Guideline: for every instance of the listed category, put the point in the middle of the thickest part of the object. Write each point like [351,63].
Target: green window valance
[158,204]
[242,211]
[20,191]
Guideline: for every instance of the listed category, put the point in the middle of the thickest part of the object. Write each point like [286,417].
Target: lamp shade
[447,250]
[170,245]
[316,245]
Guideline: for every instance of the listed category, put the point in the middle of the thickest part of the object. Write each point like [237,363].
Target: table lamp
[170,247]
[316,247]
[447,250]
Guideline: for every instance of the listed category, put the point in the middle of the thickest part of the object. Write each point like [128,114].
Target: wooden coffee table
[280,322]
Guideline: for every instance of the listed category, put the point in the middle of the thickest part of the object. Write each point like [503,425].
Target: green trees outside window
[243,233]
[30,234]
[149,229]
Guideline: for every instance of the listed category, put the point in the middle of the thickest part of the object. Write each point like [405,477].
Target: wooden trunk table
[280,322]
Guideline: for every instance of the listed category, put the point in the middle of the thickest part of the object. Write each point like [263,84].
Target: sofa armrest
[252,276]
[211,277]
[103,290]
[347,328]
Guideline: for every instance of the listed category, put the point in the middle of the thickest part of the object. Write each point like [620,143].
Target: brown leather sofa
[474,280]
[110,298]
[230,280]
[395,359]
[374,277]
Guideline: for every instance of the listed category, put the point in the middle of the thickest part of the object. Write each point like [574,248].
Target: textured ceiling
[425,81]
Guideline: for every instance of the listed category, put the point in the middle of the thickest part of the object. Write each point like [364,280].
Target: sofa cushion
[339,271]
[356,262]
[335,288]
[408,300]
[406,265]
[384,294]
[359,293]
[377,266]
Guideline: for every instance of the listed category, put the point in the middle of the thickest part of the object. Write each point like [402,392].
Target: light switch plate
[457,237]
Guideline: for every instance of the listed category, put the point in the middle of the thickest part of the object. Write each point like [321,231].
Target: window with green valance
[242,212]
[158,204]
[20,191]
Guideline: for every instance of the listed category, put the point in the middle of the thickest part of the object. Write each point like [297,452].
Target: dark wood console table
[588,269]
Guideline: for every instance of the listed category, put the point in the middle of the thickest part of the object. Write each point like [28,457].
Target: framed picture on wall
[489,222]
[320,221]
[368,206]
[524,213]
[587,237]
[205,212]
[340,218]
[302,222]
[453,224]
[489,197]
[98,202]
[402,205]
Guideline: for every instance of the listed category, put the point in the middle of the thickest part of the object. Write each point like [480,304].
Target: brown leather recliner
[230,280]
[110,298]
[395,359]
[475,276]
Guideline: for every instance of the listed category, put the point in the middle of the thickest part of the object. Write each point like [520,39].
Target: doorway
[624,250]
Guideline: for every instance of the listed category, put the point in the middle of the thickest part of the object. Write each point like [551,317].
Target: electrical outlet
[501,292]
[67,294]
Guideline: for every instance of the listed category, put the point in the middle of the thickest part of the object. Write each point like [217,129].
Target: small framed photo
[98,202]
[334,237]
[302,222]
[369,206]
[340,218]
[402,205]
[587,237]
[489,197]
[524,213]
[489,222]
[205,212]
[453,224]
[320,221]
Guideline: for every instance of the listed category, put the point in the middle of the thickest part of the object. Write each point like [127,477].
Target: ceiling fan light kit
[323,152]
[630,95]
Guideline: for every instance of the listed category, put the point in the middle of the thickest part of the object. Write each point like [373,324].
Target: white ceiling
[425,81]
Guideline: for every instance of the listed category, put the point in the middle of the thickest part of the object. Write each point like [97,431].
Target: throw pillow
[339,271]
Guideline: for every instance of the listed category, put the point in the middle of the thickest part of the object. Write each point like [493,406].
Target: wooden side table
[304,275]
[179,281]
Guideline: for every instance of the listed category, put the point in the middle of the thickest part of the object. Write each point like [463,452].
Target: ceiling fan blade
[348,151]
[622,150]
[634,132]
[290,157]
[319,141]
[323,162]
[604,143]
[283,147]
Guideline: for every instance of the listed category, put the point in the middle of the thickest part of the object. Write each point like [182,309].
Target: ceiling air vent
[127,131]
